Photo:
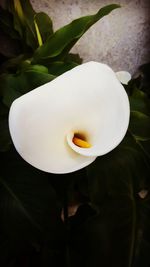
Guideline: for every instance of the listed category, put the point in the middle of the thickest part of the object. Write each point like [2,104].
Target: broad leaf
[114,181]
[6,24]
[127,163]
[145,78]
[140,125]
[145,147]
[23,17]
[30,212]
[139,101]
[103,239]
[11,65]
[5,140]
[143,240]
[45,25]
[27,21]
[65,38]
[19,84]
[73,57]
[59,67]
[9,47]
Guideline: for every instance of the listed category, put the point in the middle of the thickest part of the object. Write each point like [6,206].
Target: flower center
[80,140]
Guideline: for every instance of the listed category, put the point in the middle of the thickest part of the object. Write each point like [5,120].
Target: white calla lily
[123,76]
[65,124]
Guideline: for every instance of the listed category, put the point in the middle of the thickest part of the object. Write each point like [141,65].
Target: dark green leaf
[73,58]
[30,35]
[24,22]
[59,67]
[18,19]
[139,101]
[6,24]
[28,11]
[114,181]
[45,25]
[66,37]
[145,147]
[26,66]
[104,239]
[143,241]
[140,125]
[9,89]
[30,212]
[19,84]
[115,172]
[11,65]
[9,47]
[5,139]
[27,8]
[145,78]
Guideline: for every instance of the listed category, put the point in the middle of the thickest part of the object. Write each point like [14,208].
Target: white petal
[123,76]
[88,100]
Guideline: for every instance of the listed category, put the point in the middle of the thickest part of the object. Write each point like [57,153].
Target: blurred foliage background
[98,216]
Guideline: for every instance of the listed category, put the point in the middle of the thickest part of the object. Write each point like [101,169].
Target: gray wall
[122,39]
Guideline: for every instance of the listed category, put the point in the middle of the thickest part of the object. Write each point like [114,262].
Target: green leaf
[5,139]
[16,85]
[9,47]
[38,68]
[140,125]
[11,65]
[65,38]
[139,101]
[27,22]
[24,25]
[113,173]
[29,31]
[103,239]
[45,26]
[30,212]
[18,22]
[19,11]
[114,181]
[143,241]
[38,34]
[145,147]
[28,11]
[73,57]
[58,67]
[6,24]
[145,78]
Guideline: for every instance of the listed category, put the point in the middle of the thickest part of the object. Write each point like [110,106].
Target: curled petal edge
[123,76]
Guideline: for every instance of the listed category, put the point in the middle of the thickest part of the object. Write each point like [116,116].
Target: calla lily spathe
[87,102]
